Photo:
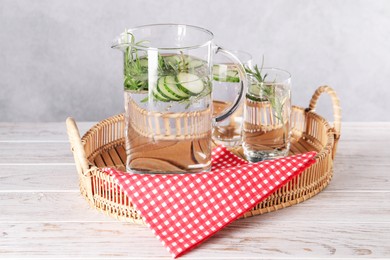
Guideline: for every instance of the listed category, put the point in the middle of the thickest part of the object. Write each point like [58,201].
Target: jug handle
[243,81]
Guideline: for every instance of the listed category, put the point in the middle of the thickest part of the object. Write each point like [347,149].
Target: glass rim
[285,74]
[133,29]
[243,56]
[277,69]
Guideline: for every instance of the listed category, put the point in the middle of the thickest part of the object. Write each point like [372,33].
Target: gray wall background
[56,61]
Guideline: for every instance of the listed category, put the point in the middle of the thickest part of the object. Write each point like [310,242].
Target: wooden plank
[75,240]
[324,207]
[349,173]
[348,177]
[44,131]
[348,148]
[357,175]
[47,206]
[38,177]
[365,131]
[23,153]
[274,240]
[370,151]
[38,131]
[57,131]
[242,239]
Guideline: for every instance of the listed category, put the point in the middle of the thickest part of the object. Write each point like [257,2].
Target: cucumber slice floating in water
[181,87]
[158,96]
[165,92]
[172,59]
[189,83]
[184,62]
[233,73]
[225,73]
[195,63]
[171,86]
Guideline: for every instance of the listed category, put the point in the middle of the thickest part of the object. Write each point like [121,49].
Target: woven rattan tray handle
[336,111]
[77,146]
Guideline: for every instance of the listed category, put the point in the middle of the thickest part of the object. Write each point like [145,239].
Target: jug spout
[127,39]
[122,41]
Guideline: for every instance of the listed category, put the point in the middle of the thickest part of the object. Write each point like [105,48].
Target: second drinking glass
[267,112]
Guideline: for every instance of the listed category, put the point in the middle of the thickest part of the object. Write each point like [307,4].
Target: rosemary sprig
[257,72]
[135,72]
[183,64]
[169,65]
[261,90]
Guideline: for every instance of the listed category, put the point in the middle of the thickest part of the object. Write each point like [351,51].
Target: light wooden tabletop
[43,215]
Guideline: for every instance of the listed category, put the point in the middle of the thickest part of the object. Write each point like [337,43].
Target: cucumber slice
[232,73]
[172,59]
[195,63]
[189,83]
[158,96]
[171,86]
[220,72]
[232,79]
[227,79]
[224,74]
[216,70]
[163,91]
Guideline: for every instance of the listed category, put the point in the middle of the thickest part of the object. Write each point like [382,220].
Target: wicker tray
[103,145]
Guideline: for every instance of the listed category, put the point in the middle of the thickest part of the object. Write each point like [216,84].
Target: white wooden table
[43,215]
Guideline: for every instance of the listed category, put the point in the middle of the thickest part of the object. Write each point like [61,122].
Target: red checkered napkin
[185,209]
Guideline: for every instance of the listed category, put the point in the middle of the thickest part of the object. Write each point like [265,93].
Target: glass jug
[168,97]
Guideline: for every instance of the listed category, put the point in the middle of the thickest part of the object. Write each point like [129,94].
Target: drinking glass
[267,112]
[226,86]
